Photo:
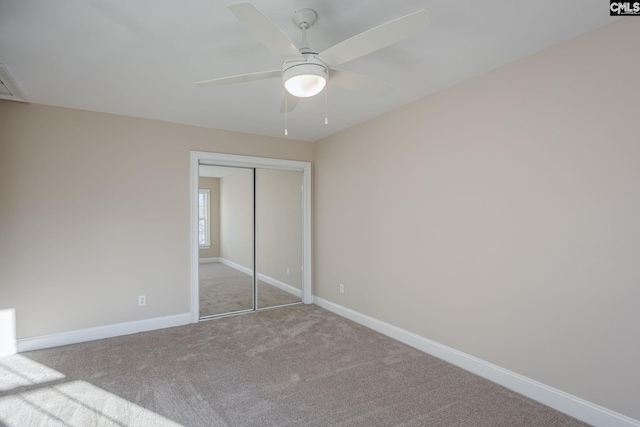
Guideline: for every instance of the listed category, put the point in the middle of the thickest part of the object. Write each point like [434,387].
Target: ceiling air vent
[8,87]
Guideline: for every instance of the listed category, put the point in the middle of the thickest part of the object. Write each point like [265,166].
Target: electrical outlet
[142,300]
[288,271]
[341,288]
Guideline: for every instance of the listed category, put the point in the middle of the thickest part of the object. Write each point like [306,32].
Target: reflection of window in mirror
[204,230]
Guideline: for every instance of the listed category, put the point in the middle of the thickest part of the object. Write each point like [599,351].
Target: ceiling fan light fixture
[305,85]
[305,80]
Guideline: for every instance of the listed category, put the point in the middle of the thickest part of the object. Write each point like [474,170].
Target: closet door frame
[216,159]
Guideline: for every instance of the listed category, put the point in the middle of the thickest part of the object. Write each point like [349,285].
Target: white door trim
[231,160]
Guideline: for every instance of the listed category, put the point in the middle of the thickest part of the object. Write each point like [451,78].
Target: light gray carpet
[294,366]
[224,290]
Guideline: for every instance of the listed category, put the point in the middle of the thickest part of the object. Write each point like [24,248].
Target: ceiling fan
[304,72]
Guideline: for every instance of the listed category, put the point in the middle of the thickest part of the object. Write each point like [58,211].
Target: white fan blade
[358,82]
[289,102]
[376,38]
[242,78]
[265,30]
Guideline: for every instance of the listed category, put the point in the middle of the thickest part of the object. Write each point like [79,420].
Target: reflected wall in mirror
[279,228]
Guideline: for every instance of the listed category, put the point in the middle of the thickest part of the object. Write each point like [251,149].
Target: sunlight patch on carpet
[75,403]
[17,371]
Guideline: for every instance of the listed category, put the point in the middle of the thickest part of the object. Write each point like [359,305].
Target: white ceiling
[141,57]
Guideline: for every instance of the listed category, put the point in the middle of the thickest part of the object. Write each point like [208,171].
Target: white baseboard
[564,402]
[100,332]
[280,285]
[8,349]
[235,266]
[207,260]
[271,281]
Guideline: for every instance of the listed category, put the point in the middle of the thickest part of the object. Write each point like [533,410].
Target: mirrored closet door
[278,237]
[249,217]
[226,263]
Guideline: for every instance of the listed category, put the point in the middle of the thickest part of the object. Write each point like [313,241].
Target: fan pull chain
[286,113]
[326,102]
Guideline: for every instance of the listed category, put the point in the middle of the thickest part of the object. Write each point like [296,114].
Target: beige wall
[94,211]
[279,225]
[236,217]
[213,185]
[501,217]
